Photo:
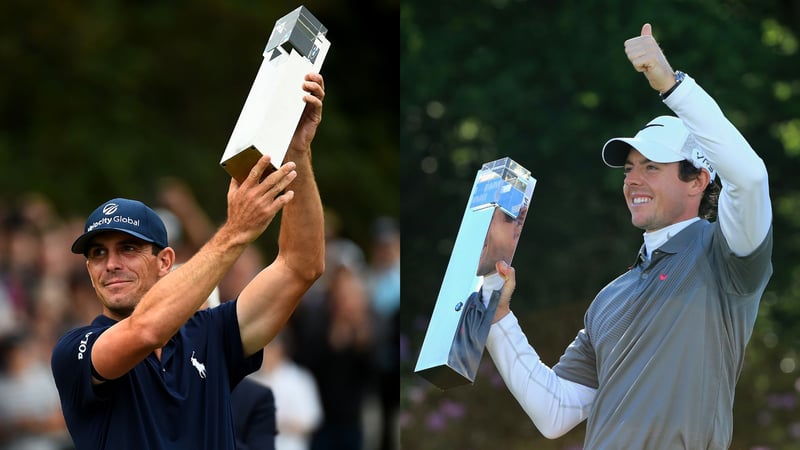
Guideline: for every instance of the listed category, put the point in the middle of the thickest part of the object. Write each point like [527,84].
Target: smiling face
[123,268]
[655,196]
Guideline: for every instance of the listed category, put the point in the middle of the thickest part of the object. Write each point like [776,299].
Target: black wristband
[679,76]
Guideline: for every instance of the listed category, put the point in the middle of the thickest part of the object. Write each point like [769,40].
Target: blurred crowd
[333,370]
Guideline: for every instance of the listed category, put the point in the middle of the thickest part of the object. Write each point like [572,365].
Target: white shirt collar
[655,239]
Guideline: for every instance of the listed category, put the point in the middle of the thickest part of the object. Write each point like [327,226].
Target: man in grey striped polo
[656,364]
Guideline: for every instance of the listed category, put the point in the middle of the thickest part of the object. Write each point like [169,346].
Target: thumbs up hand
[646,56]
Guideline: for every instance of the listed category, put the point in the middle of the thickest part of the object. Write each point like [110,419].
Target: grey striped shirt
[664,344]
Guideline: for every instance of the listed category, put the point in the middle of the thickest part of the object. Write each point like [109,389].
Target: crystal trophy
[272,110]
[463,313]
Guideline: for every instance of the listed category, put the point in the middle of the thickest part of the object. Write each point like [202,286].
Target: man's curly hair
[708,204]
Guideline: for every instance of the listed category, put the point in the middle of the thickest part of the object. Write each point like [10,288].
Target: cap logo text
[109,220]
[701,158]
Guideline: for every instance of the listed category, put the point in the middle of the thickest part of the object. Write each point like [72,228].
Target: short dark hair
[154,248]
[708,204]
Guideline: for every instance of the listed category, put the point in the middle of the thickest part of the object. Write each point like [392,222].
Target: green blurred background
[547,83]
[103,98]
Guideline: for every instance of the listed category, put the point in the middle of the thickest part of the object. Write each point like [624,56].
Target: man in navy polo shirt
[153,372]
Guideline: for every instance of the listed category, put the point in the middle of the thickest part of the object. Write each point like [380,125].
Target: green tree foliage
[101,99]
[547,83]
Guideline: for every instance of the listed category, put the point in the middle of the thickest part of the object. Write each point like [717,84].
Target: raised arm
[744,209]
[269,299]
[172,300]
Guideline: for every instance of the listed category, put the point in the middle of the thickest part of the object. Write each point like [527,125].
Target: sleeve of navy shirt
[159,403]
[71,364]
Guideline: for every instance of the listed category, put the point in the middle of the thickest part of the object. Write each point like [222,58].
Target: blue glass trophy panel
[502,183]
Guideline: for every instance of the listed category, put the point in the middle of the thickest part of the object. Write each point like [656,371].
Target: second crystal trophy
[297,46]
[463,313]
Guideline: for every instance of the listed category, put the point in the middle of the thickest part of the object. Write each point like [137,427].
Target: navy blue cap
[128,216]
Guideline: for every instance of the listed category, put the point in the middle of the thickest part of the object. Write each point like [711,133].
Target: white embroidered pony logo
[201,368]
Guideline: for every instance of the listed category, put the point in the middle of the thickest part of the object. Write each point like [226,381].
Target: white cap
[664,140]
